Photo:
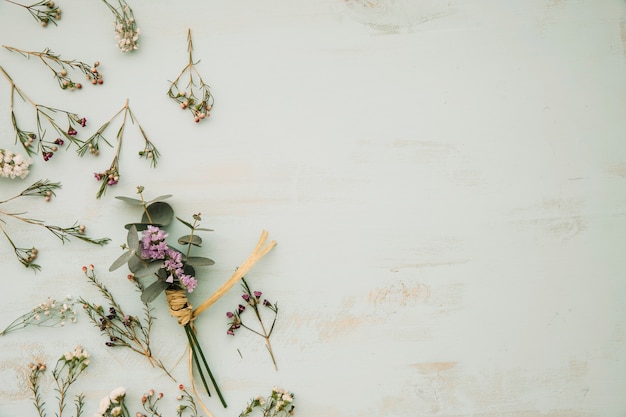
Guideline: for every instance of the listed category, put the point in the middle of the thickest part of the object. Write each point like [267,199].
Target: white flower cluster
[283,399]
[13,165]
[126,31]
[50,309]
[77,356]
[113,404]
[279,404]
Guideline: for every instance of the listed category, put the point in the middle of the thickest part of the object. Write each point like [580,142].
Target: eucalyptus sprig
[33,141]
[146,258]
[44,11]
[45,189]
[196,95]
[60,67]
[111,175]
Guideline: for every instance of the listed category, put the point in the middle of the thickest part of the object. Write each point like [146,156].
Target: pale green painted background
[445,181]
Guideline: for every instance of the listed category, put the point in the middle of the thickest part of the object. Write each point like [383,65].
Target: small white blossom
[117,394]
[13,165]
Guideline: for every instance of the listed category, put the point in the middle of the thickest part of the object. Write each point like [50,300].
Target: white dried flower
[13,165]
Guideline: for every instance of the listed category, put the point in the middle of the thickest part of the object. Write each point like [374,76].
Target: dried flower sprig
[149,402]
[196,95]
[44,189]
[126,30]
[253,300]
[113,405]
[13,165]
[34,143]
[122,329]
[130,332]
[278,404]
[49,313]
[61,67]
[65,373]
[44,11]
[111,175]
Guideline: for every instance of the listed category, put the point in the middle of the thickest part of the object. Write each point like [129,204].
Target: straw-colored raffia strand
[258,252]
[179,306]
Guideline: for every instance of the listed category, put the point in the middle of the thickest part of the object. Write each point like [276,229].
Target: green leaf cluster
[158,213]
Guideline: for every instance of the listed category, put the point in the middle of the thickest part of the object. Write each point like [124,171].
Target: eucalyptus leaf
[140,226]
[132,239]
[199,261]
[189,225]
[123,259]
[129,200]
[135,264]
[160,213]
[189,270]
[153,290]
[189,239]
[159,198]
[147,270]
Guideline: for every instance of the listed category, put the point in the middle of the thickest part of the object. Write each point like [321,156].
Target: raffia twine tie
[179,306]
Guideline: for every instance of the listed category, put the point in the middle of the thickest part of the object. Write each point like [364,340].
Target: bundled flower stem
[111,175]
[44,115]
[60,67]
[174,270]
[253,300]
[65,373]
[278,404]
[126,31]
[196,96]
[44,11]
[45,189]
[49,313]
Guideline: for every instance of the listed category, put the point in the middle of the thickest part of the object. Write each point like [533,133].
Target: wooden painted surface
[445,181]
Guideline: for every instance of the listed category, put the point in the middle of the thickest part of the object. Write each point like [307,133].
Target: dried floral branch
[196,95]
[278,404]
[122,329]
[126,31]
[60,67]
[44,11]
[45,189]
[111,176]
[253,300]
[45,115]
[49,313]
[65,373]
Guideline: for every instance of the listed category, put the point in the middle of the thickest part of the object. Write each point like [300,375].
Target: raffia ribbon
[181,308]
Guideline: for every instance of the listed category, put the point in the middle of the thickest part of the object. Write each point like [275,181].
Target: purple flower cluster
[155,247]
